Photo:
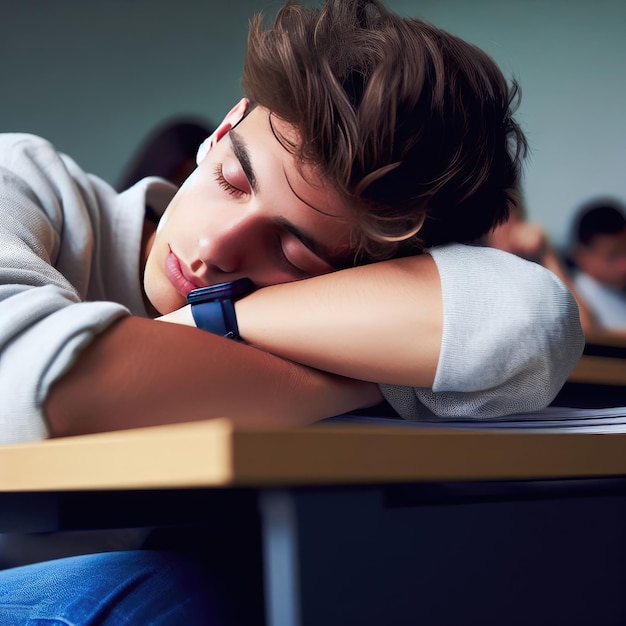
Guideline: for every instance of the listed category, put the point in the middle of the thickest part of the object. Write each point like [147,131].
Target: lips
[176,275]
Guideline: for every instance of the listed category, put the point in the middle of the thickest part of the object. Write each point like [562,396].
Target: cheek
[157,287]
[173,207]
[162,222]
[183,209]
[158,290]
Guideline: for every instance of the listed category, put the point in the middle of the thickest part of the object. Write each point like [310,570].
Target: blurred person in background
[598,252]
[169,151]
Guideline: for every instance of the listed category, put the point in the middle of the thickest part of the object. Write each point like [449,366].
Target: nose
[228,242]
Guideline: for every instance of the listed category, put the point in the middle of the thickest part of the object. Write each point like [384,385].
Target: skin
[317,338]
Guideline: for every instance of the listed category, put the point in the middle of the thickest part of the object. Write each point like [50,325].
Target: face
[247,210]
[605,259]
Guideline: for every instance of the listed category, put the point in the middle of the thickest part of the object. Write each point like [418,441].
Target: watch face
[221,291]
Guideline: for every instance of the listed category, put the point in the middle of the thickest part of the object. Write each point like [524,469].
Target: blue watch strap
[213,307]
[216,317]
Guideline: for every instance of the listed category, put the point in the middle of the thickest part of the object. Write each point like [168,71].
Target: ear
[233,117]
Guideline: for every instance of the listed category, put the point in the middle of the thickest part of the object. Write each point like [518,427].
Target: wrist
[213,307]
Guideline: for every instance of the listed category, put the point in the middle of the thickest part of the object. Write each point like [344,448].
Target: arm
[535,246]
[142,373]
[363,322]
[508,339]
[381,322]
[529,241]
[551,261]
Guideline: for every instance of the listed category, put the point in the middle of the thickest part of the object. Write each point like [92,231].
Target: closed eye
[296,258]
[284,262]
[228,187]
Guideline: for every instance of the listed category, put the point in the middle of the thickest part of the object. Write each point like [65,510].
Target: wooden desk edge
[599,370]
[606,338]
[214,454]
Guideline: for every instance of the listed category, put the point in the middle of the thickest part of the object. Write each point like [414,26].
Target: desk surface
[603,361]
[214,454]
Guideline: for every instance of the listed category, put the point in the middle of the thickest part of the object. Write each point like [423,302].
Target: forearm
[381,322]
[142,373]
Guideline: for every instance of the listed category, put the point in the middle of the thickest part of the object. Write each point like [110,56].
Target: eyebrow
[243,156]
[335,261]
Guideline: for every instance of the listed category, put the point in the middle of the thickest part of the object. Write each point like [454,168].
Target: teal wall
[95,76]
[570,58]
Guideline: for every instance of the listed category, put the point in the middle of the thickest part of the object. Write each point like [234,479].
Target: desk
[361,524]
[599,378]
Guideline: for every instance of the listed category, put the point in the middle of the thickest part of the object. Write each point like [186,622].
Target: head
[600,242]
[363,136]
[412,125]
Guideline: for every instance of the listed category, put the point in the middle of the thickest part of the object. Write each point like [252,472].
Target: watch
[213,307]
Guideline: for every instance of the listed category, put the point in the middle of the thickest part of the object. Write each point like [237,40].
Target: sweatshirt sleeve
[48,225]
[511,336]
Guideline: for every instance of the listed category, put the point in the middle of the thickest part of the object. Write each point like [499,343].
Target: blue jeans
[138,588]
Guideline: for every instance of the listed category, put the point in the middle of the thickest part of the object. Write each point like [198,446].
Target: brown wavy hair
[411,122]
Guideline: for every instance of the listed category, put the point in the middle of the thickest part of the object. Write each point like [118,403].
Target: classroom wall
[95,77]
[570,59]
